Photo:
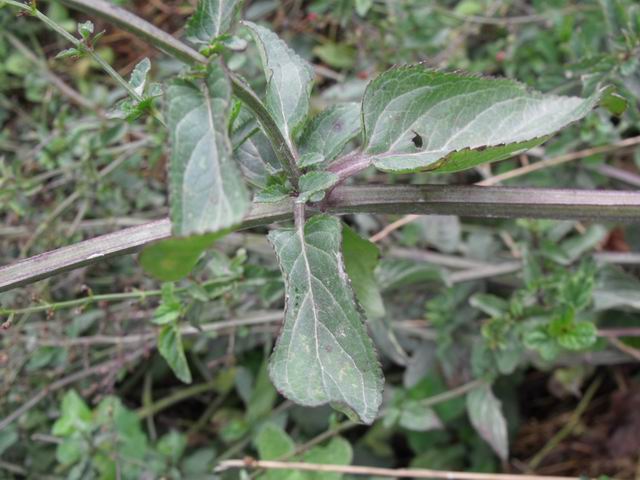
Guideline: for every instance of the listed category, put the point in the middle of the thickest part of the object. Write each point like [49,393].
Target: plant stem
[65,89]
[251,463]
[110,297]
[466,201]
[559,160]
[79,45]
[568,428]
[176,397]
[165,42]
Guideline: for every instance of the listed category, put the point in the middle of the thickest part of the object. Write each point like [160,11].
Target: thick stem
[466,201]
[174,47]
[350,165]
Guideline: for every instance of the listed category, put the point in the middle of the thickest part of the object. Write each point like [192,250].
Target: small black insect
[417,139]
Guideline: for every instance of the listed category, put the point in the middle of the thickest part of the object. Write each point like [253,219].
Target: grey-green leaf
[211,19]
[485,414]
[289,81]
[323,354]
[420,119]
[328,132]
[207,190]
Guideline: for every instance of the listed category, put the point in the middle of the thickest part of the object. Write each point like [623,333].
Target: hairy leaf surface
[323,353]
[420,119]
[289,80]
[211,19]
[207,191]
[328,132]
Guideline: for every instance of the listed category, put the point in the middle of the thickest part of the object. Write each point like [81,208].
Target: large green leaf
[211,19]
[323,353]
[360,261]
[328,132]
[172,259]
[289,80]
[420,119]
[207,190]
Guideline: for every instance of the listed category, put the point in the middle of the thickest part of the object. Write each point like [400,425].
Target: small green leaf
[485,414]
[336,452]
[614,102]
[314,183]
[414,416]
[68,53]
[289,81]
[207,192]
[211,19]
[363,7]
[328,132]
[8,437]
[273,442]
[75,416]
[85,29]
[139,74]
[263,396]
[71,450]
[310,159]
[169,309]
[272,193]
[172,259]
[573,335]
[421,119]
[172,445]
[323,354]
[538,339]
[171,349]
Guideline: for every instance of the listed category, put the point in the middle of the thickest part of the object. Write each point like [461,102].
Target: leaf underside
[419,119]
[289,80]
[211,19]
[207,190]
[323,354]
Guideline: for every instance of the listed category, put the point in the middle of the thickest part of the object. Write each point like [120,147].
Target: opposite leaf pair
[411,119]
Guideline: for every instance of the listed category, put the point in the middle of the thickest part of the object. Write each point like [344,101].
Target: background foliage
[537,307]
